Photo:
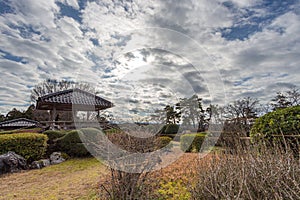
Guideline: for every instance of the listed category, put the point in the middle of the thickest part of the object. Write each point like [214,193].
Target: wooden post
[50,115]
[74,113]
[87,115]
[54,115]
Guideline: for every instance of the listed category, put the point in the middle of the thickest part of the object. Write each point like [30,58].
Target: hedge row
[192,142]
[72,144]
[32,146]
[23,130]
[52,135]
[164,141]
[280,127]
[169,129]
[283,121]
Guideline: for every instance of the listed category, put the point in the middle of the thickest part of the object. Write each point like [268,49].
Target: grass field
[80,178]
[73,179]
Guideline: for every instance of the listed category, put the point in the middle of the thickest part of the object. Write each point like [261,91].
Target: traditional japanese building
[72,100]
[18,124]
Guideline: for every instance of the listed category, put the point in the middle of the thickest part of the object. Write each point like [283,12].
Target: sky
[143,55]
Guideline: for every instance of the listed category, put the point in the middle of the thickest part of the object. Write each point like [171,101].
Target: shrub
[23,130]
[112,131]
[278,127]
[52,135]
[164,141]
[280,122]
[162,130]
[171,129]
[72,144]
[128,178]
[192,142]
[174,137]
[91,132]
[77,150]
[72,137]
[173,190]
[31,146]
[249,175]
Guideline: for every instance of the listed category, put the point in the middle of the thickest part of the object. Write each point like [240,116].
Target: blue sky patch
[5,7]
[26,31]
[252,20]
[69,11]
[11,57]
[241,82]
[95,41]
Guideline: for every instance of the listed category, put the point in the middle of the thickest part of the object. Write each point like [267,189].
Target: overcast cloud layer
[145,54]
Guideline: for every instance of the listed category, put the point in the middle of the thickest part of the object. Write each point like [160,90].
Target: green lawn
[73,179]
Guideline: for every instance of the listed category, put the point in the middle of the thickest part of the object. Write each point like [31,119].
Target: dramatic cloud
[145,54]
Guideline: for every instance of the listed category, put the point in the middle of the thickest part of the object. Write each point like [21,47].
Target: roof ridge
[18,119]
[72,90]
[74,96]
[57,93]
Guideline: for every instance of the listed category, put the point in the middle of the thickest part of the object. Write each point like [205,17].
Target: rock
[12,162]
[56,158]
[40,164]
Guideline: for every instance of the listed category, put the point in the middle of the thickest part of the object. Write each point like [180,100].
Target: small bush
[280,127]
[72,144]
[23,130]
[164,141]
[52,135]
[112,131]
[128,177]
[72,137]
[174,190]
[280,122]
[91,132]
[31,146]
[77,150]
[192,142]
[270,174]
[171,129]
[162,130]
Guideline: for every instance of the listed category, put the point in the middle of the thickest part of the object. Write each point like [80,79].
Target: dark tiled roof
[21,122]
[75,97]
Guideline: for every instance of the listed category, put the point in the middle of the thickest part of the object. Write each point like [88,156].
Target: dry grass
[264,173]
[174,181]
[171,182]
[245,175]
[73,179]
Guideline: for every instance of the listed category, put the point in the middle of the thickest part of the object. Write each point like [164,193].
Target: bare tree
[281,100]
[129,173]
[286,99]
[239,116]
[52,85]
[242,108]
[294,96]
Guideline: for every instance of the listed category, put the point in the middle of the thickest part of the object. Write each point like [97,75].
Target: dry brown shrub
[128,178]
[259,173]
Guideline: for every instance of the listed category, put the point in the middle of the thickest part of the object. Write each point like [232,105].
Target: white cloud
[246,3]
[56,46]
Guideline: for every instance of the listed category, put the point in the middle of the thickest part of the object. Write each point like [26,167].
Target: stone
[56,158]
[12,162]
[40,164]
